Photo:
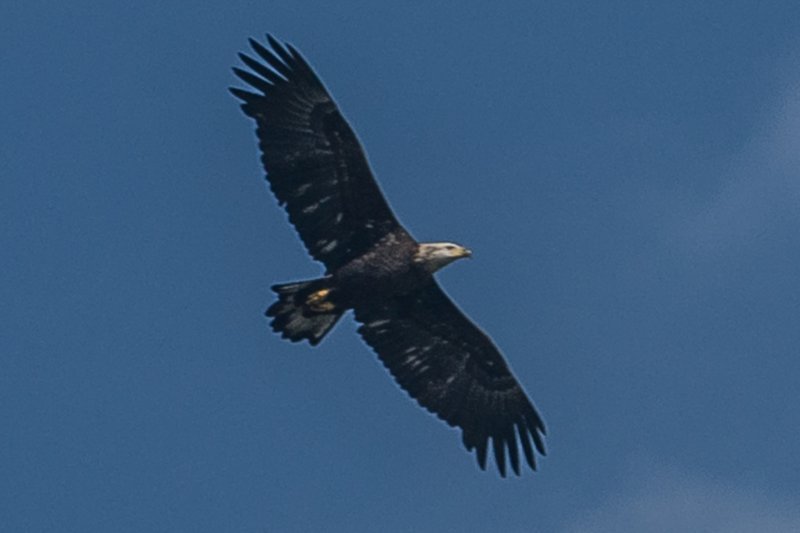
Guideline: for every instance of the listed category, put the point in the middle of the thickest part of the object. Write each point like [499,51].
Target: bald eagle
[319,173]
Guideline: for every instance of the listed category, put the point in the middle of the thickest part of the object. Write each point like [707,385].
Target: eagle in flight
[318,171]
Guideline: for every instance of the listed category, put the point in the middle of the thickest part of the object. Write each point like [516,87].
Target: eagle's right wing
[455,371]
[314,162]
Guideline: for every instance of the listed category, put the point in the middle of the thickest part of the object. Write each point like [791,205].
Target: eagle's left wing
[314,162]
[454,370]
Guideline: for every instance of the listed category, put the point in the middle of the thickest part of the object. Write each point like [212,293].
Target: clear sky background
[627,174]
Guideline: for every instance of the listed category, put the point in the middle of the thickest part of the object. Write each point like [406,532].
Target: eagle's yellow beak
[465,252]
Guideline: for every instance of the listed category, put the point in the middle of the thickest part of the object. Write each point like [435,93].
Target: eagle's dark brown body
[385,270]
[319,173]
[307,310]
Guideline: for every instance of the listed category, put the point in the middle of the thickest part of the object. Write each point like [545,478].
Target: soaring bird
[319,173]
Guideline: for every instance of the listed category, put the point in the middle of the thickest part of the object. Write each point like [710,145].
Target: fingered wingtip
[273,42]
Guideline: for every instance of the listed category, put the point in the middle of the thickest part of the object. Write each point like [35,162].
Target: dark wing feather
[454,370]
[314,162]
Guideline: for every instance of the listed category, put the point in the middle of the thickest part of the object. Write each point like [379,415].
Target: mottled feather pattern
[454,370]
[314,162]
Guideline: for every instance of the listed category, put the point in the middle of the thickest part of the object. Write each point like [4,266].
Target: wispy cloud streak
[760,189]
[659,499]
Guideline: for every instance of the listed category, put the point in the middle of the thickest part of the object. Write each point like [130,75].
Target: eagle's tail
[304,310]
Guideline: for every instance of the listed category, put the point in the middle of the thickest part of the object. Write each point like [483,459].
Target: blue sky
[627,175]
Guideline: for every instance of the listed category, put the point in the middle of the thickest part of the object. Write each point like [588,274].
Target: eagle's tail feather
[304,310]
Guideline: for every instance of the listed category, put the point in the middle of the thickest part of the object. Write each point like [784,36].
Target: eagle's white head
[435,255]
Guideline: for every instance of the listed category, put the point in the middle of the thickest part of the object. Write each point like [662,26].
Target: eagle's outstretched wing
[314,162]
[454,370]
